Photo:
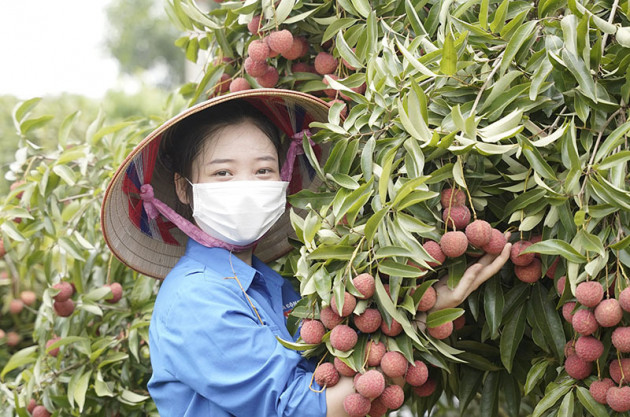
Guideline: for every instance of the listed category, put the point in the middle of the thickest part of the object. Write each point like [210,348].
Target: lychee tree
[444,115]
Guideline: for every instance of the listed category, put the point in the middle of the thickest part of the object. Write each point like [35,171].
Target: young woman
[201,203]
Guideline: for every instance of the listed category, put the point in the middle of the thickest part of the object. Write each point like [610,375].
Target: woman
[220,309]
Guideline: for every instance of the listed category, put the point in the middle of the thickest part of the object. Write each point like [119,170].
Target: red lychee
[356,405]
[442,331]
[567,311]
[392,397]
[417,374]
[577,368]
[454,244]
[621,339]
[343,337]
[371,384]
[428,299]
[394,330]
[239,84]
[329,318]
[529,273]
[330,92]
[369,321]
[569,348]
[312,331]
[426,389]
[608,313]
[394,364]
[65,291]
[16,306]
[589,293]
[295,51]
[63,308]
[615,368]
[269,79]
[624,299]
[561,284]
[40,411]
[496,243]
[255,68]
[31,405]
[301,67]
[450,197]
[342,368]
[551,271]
[374,352]
[258,50]
[521,259]
[618,398]
[584,322]
[117,292]
[377,408]
[457,217]
[28,297]
[589,348]
[53,352]
[325,63]
[326,375]
[365,284]
[349,303]
[435,251]
[13,338]
[598,389]
[280,41]
[459,322]
[254,25]
[478,233]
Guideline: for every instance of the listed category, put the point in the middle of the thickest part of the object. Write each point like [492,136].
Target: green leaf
[557,247]
[66,173]
[414,61]
[537,162]
[613,140]
[81,389]
[332,252]
[586,399]
[283,10]
[512,336]
[493,304]
[362,6]
[23,109]
[70,248]
[30,124]
[448,63]
[578,68]
[337,26]
[346,52]
[524,200]
[522,34]
[483,14]
[548,320]
[66,126]
[414,20]
[398,269]
[20,358]
[535,375]
[499,17]
[384,179]
[372,224]
[616,159]
[439,317]
[490,395]
[551,397]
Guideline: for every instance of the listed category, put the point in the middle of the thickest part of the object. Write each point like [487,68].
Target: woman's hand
[475,275]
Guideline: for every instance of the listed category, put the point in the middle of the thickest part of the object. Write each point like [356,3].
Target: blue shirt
[210,354]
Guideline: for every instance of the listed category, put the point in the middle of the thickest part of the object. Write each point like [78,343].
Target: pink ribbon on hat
[154,207]
[295,149]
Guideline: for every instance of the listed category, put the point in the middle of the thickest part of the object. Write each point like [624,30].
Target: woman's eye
[221,173]
[264,171]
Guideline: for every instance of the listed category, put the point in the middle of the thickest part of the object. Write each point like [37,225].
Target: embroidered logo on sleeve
[288,307]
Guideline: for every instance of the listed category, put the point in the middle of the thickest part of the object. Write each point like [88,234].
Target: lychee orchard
[455,128]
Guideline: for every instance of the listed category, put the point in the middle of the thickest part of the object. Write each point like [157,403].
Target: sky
[49,47]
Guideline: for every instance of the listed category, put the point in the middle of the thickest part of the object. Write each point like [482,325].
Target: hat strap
[154,207]
[295,149]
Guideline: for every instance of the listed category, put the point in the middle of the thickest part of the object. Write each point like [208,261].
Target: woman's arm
[335,396]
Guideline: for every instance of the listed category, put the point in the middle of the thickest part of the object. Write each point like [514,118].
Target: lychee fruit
[369,321]
[301,67]
[365,284]
[28,297]
[40,411]
[374,352]
[598,389]
[428,299]
[618,398]
[615,368]
[295,51]
[434,249]
[624,299]
[31,405]
[349,303]
[65,291]
[608,313]
[117,292]
[239,84]
[561,284]
[63,308]
[589,348]
[569,348]
[356,405]
[417,374]
[621,339]
[342,368]
[377,408]
[454,244]
[459,322]
[394,330]
[442,331]
[496,243]
[394,364]
[478,233]
[551,271]
[269,79]
[392,397]
[584,322]
[371,384]
[255,68]
[589,293]
[343,337]
[325,63]
[330,92]
[451,197]
[254,25]
[326,375]
[305,46]
[457,217]
[529,273]
[13,338]
[577,368]
[280,41]
[312,331]
[53,352]
[521,259]
[258,50]
[329,318]
[16,306]
[567,311]
[427,389]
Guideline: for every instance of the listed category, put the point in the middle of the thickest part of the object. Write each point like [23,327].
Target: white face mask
[238,212]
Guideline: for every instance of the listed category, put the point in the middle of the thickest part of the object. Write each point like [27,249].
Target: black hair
[182,143]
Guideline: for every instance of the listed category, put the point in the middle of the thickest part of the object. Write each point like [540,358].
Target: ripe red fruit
[40,411]
[561,284]
[394,330]
[53,352]
[255,68]
[428,299]
[365,284]
[589,348]
[13,339]
[551,271]
[258,50]
[454,244]
[394,364]
[589,293]
[3,251]
[478,233]
[305,46]
[329,317]
[452,197]
[459,322]
[618,398]
[598,389]
[569,348]
[577,368]
[608,313]
[63,308]
[343,337]
[301,67]
[529,273]
[269,79]
[621,339]
[280,41]
[374,352]
[371,384]
[295,51]
[254,25]
[615,368]
[28,297]
[417,374]
[496,243]
[349,303]
[624,299]
[392,397]
[377,409]
[312,331]
[31,405]
[584,322]
[369,321]
[356,405]
[442,331]
[326,375]
[16,306]
[457,217]
[521,259]
[325,63]
[239,84]
[117,292]
[567,311]
[426,389]
[434,249]
[65,291]
[343,369]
